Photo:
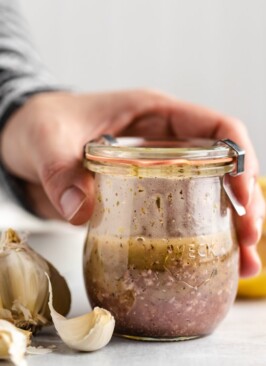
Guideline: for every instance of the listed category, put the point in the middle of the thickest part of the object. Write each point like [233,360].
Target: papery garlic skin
[88,332]
[13,343]
[24,289]
[31,350]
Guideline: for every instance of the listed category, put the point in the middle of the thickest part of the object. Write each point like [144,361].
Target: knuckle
[50,170]
[145,92]
[152,94]
[261,201]
[238,125]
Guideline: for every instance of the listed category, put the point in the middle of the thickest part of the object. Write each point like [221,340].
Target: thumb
[70,188]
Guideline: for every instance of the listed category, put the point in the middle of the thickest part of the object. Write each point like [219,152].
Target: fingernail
[71,201]
[251,187]
[259,224]
[256,260]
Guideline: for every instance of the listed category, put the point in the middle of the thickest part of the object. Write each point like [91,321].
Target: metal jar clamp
[240,161]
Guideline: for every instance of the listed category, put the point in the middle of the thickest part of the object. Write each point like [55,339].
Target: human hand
[42,144]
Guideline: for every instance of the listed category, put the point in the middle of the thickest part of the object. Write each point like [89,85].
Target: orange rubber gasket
[151,162]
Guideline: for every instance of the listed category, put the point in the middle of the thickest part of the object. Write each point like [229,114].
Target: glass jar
[161,252]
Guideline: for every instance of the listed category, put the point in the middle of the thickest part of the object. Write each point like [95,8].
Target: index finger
[186,120]
[193,121]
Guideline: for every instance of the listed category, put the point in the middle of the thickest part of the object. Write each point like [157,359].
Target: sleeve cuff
[19,100]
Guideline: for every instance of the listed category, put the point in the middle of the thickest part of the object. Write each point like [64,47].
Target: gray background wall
[211,52]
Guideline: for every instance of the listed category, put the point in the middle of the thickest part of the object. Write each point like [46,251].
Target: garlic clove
[62,296]
[88,332]
[13,343]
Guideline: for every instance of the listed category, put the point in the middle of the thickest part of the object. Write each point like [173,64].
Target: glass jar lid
[151,153]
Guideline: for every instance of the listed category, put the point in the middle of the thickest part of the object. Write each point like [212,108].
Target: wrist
[19,102]
[16,169]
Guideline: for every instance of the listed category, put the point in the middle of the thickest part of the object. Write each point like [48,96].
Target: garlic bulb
[24,289]
[88,332]
[13,343]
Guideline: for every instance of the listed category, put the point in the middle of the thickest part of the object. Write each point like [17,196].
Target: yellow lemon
[255,287]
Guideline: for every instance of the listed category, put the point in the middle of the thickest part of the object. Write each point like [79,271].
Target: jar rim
[145,152]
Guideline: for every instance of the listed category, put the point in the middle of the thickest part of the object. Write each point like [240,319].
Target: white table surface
[239,341]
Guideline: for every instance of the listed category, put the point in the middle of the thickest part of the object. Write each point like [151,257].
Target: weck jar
[161,252]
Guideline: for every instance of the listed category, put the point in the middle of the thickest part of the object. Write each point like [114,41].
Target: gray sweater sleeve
[21,71]
[21,76]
